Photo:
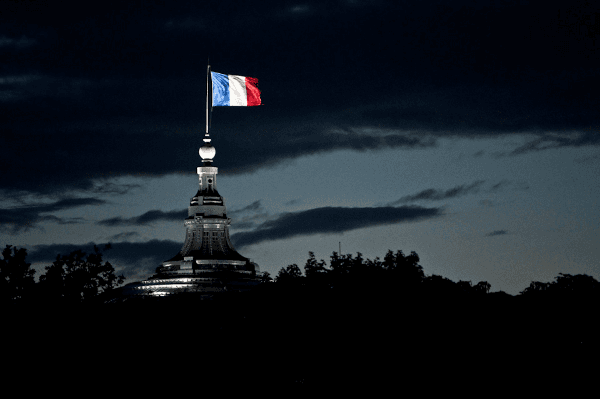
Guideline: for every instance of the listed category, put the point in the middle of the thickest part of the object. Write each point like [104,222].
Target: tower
[207,263]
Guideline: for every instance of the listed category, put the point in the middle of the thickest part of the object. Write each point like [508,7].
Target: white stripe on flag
[237,91]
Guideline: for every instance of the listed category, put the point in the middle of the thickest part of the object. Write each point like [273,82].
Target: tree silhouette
[482,287]
[79,277]
[343,264]
[535,287]
[439,285]
[266,277]
[580,283]
[405,266]
[16,276]
[312,268]
[289,274]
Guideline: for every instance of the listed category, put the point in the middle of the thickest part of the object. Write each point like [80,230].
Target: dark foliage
[357,323]
[78,278]
[288,274]
[16,276]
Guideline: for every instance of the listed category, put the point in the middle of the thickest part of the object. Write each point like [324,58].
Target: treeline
[381,321]
[351,321]
[77,278]
[396,288]
[402,274]
[397,272]
[82,278]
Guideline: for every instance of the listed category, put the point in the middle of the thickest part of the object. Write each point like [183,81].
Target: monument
[207,263]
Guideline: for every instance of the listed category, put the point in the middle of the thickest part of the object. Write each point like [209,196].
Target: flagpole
[207,75]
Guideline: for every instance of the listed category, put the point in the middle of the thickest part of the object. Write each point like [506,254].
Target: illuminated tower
[207,263]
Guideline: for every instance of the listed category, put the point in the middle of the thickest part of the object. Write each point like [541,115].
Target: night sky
[466,131]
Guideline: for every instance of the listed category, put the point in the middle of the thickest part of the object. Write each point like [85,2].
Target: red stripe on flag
[252,91]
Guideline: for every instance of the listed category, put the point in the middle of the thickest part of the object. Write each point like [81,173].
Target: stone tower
[207,263]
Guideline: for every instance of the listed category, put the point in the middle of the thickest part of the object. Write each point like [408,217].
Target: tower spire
[208,263]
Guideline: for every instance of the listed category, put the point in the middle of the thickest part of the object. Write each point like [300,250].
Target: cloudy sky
[466,131]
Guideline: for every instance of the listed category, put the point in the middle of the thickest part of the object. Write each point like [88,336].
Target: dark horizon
[321,327]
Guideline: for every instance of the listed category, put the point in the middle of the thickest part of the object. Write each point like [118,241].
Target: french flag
[234,90]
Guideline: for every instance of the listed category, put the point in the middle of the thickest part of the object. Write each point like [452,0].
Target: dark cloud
[276,147]
[134,259]
[114,188]
[85,159]
[496,233]
[503,184]
[253,207]
[432,194]
[244,225]
[587,137]
[249,216]
[124,236]
[78,161]
[23,218]
[245,217]
[144,219]
[329,220]
[117,92]
[500,185]
[20,42]
[295,201]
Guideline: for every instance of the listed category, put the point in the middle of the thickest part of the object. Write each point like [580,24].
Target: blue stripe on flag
[220,89]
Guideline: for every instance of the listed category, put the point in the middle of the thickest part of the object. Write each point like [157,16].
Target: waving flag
[234,90]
